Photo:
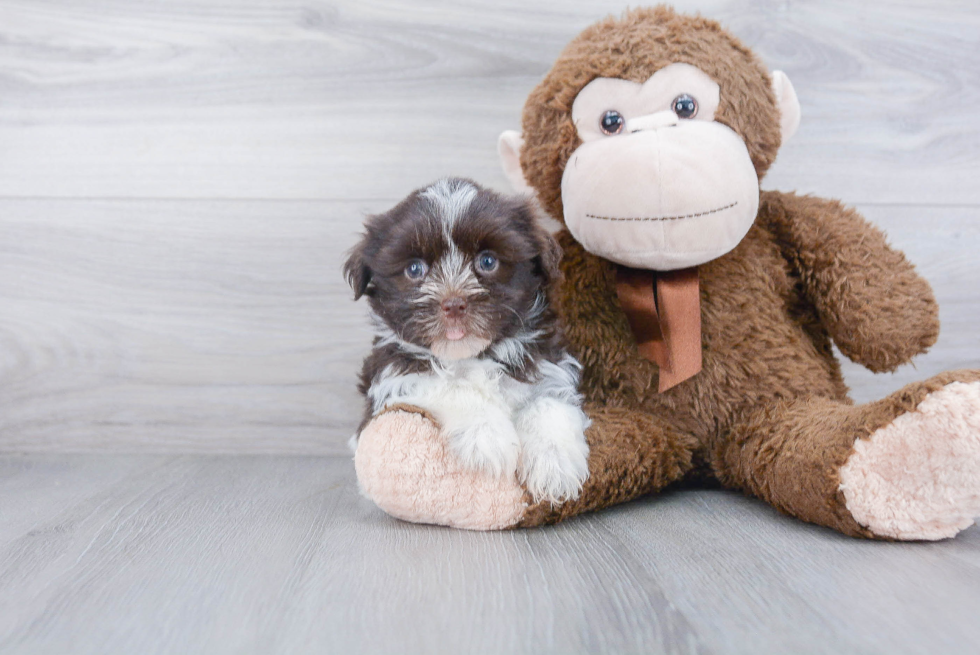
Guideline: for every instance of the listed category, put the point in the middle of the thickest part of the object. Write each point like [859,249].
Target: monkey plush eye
[684,106]
[487,262]
[612,122]
[416,269]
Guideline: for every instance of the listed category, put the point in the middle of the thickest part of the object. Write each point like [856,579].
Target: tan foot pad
[403,465]
[919,476]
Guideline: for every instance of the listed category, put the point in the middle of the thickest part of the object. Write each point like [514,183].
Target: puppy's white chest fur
[500,425]
[478,384]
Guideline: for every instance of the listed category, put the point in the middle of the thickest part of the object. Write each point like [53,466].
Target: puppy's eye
[612,122]
[487,262]
[684,106]
[416,269]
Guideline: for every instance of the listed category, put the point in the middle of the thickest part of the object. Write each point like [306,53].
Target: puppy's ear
[356,269]
[549,254]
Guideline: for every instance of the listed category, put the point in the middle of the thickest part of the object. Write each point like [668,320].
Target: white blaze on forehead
[451,274]
[454,272]
[451,197]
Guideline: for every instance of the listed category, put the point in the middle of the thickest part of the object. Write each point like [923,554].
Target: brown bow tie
[664,312]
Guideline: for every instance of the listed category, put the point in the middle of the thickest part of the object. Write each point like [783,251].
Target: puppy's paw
[554,454]
[490,446]
[553,473]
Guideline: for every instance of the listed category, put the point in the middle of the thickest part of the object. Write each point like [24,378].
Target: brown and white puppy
[457,278]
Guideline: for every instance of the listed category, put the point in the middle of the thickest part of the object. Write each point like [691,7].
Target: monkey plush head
[648,138]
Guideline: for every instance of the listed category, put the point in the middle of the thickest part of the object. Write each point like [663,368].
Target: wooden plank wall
[179,182]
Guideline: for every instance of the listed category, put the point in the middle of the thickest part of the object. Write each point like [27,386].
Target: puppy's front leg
[554,454]
[481,434]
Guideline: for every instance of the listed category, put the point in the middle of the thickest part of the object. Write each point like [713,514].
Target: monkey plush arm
[877,309]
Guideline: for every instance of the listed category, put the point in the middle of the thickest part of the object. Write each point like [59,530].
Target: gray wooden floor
[214,554]
[178,183]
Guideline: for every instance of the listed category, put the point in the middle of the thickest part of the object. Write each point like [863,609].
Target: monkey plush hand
[703,310]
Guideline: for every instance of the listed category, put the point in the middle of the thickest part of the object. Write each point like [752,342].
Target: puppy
[457,278]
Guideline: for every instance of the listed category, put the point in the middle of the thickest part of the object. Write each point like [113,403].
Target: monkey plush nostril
[652,121]
[454,307]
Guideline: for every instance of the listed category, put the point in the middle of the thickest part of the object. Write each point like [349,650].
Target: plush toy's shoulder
[595,327]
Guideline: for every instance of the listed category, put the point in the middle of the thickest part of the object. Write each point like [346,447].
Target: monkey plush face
[649,136]
[656,182]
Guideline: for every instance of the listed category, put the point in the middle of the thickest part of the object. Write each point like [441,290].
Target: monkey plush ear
[509,148]
[356,270]
[789,105]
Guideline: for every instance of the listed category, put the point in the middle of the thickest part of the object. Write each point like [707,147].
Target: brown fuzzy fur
[633,48]
[769,412]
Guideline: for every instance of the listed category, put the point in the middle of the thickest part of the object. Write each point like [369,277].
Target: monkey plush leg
[905,467]
[404,466]
[630,454]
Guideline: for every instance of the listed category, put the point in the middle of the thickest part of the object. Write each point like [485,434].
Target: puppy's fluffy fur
[457,277]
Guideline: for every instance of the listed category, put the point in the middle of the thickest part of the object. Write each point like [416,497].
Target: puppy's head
[454,267]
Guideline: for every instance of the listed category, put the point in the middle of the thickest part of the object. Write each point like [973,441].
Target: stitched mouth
[661,218]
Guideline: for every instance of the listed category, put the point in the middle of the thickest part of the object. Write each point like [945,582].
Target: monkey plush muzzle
[664,196]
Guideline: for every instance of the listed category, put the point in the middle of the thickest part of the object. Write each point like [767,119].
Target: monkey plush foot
[919,476]
[403,464]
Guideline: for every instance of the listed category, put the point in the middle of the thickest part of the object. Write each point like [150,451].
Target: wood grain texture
[178,326]
[178,184]
[226,326]
[153,554]
[371,98]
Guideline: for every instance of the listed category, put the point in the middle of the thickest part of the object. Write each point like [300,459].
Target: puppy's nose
[454,307]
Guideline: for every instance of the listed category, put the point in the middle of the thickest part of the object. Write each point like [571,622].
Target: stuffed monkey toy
[703,310]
